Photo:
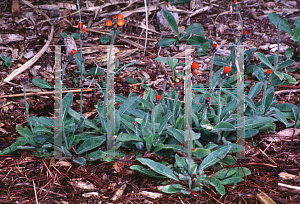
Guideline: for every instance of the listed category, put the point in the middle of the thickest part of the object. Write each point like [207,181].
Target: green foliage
[7,61]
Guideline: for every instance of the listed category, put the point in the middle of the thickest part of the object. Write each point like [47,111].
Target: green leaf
[254,90]
[235,171]
[175,147]
[76,116]
[289,52]
[3,58]
[200,153]
[194,28]
[250,102]
[93,71]
[177,134]
[130,103]
[223,126]
[175,188]
[132,81]
[8,59]
[158,168]
[147,172]
[149,141]
[279,116]
[279,75]
[40,130]
[250,133]
[171,20]
[90,144]
[129,138]
[64,35]
[105,39]
[205,47]
[180,162]
[66,103]
[232,180]
[166,42]
[253,122]
[24,132]
[163,123]
[264,59]
[284,25]
[41,83]
[20,141]
[285,64]
[290,79]
[95,155]
[123,67]
[214,157]
[8,64]
[80,62]
[220,62]
[75,36]
[162,59]
[259,73]
[80,160]
[269,98]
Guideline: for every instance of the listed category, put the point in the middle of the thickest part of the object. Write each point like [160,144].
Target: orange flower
[158,97]
[195,72]
[108,23]
[120,16]
[195,65]
[121,22]
[73,52]
[269,71]
[227,69]
[115,17]
[80,25]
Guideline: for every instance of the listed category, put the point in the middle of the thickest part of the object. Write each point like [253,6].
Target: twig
[36,199]
[38,55]
[42,93]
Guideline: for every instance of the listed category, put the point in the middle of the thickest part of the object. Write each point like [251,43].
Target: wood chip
[118,193]
[151,194]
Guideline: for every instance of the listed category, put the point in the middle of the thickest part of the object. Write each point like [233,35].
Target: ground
[25,177]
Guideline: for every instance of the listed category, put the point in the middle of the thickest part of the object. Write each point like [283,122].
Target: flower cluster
[214,49]
[225,72]
[207,101]
[83,35]
[269,71]
[117,21]
[158,97]
[195,65]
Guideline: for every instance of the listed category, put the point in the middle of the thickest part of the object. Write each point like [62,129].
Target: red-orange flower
[269,71]
[73,52]
[195,72]
[158,97]
[108,23]
[80,25]
[215,45]
[115,17]
[195,65]
[244,32]
[227,69]
[121,22]
[83,29]
[235,1]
